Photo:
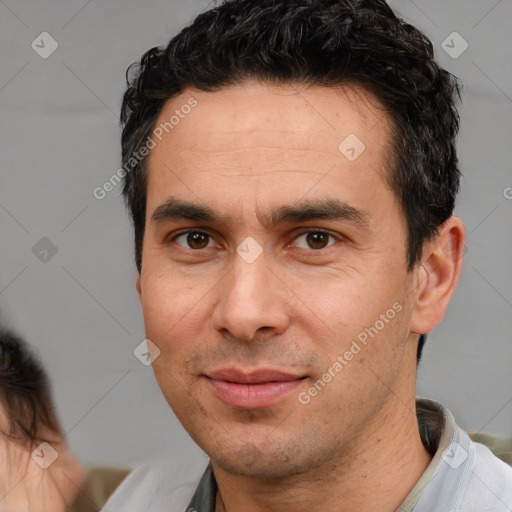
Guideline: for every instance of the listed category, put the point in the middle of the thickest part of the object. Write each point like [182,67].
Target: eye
[316,239]
[193,239]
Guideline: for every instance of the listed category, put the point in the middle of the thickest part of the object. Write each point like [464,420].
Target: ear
[138,287]
[437,275]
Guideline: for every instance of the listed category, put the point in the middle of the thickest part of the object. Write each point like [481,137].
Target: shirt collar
[437,428]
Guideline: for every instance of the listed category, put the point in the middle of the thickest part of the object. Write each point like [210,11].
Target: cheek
[169,295]
[343,307]
[363,318]
[172,311]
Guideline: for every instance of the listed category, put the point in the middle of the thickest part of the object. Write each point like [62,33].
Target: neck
[376,472]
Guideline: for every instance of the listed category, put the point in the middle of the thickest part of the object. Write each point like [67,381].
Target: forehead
[253,137]
[253,111]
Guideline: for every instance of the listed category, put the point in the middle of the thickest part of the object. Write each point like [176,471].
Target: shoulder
[100,483]
[501,447]
[489,482]
[153,486]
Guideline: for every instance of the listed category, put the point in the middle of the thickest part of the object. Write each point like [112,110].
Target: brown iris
[316,239]
[197,240]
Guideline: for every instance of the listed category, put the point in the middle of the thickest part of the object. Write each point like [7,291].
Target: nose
[252,301]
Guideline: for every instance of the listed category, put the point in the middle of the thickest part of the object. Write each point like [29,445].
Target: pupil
[315,238]
[194,239]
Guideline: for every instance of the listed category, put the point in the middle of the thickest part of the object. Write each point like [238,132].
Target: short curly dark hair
[311,42]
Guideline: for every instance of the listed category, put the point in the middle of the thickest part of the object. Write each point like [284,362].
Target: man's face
[249,310]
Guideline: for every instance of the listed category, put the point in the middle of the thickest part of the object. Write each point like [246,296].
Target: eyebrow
[174,209]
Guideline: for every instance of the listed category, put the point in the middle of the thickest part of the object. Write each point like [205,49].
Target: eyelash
[312,230]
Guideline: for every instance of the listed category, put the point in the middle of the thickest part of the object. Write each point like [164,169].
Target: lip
[256,389]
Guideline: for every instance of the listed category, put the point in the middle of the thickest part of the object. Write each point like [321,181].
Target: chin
[274,462]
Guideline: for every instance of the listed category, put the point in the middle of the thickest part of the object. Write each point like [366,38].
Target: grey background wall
[66,258]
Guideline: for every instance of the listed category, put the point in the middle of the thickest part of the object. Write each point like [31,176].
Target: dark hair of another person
[25,391]
[311,42]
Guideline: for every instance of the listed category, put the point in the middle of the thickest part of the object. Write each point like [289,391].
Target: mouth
[256,389]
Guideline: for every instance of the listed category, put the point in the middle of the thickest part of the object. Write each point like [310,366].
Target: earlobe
[138,288]
[437,275]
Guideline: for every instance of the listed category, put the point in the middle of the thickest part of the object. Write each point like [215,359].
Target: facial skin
[245,151]
[26,487]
